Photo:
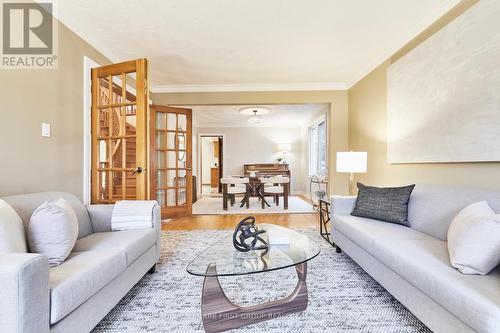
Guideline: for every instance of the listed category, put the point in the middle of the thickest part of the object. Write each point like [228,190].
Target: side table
[324,220]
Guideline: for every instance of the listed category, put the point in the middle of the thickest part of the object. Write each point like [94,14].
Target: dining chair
[275,187]
[231,186]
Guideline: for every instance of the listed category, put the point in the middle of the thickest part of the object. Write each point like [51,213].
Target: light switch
[46,130]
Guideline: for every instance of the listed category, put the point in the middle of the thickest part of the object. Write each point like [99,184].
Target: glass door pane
[118,129]
[172,160]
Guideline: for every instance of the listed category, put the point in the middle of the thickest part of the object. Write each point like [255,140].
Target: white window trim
[315,124]
[88,64]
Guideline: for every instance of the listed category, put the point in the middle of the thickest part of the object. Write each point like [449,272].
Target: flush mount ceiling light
[255,119]
[255,112]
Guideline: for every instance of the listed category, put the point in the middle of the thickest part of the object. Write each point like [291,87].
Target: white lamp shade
[284,147]
[353,161]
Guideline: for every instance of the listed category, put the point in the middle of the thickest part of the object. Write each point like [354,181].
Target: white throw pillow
[12,238]
[53,230]
[474,239]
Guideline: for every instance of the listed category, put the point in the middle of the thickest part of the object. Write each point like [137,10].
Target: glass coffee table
[222,259]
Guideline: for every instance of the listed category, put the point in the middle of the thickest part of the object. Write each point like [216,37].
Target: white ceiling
[228,45]
[290,115]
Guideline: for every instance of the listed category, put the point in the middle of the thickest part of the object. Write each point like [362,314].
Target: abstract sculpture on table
[246,236]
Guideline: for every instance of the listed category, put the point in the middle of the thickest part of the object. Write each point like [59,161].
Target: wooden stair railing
[116,154]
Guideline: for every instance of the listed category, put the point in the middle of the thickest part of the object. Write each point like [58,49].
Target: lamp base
[352,185]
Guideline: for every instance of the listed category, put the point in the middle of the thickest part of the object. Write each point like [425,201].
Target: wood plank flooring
[221,222]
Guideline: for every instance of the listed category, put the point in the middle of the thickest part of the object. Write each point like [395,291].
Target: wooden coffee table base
[220,314]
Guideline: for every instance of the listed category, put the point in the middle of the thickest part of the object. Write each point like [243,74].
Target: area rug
[342,297]
[212,205]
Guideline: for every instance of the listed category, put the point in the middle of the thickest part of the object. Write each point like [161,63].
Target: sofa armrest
[157,226]
[342,205]
[24,293]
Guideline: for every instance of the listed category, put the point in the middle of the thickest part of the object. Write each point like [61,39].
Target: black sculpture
[246,236]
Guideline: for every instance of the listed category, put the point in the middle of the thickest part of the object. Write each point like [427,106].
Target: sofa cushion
[133,242]
[388,204]
[432,208]
[363,231]
[12,236]
[81,276]
[25,205]
[425,264]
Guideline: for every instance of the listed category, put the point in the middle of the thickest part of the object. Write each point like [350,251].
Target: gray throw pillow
[388,204]
[53,230]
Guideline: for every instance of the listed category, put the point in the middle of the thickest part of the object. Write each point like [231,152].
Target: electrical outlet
[46,130]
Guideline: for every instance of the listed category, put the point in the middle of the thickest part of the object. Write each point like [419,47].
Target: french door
[120,107]
[171,159]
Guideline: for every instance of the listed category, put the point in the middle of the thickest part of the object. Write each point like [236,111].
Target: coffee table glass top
[228,261]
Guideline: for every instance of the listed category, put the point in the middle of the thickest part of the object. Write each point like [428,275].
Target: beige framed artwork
[443,96]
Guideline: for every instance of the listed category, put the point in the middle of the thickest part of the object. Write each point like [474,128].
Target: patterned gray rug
[342,297]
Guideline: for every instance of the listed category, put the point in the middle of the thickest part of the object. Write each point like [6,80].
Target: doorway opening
[211,164]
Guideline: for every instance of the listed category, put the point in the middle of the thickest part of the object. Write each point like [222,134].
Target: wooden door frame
[153,108]
[220,158]
[140,68]
[199,157]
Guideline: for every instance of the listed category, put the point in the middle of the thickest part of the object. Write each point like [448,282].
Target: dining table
[254,190]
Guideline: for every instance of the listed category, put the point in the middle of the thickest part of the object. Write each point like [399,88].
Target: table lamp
[351,162]
[284,148]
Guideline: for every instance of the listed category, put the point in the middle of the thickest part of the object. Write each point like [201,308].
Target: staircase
[121,180]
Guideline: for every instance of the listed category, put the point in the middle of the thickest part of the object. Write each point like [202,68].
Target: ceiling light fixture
[255,119]
[255,112]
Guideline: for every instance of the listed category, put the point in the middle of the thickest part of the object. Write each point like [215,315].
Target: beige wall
[337,117]
[30,163]
[367,132]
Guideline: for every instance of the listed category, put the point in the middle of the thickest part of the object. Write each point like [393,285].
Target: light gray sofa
[413,263]
[76,295]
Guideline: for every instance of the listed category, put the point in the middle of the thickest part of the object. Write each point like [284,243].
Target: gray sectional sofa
[76,295]
[413,263]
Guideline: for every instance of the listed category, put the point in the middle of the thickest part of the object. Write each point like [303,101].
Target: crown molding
[248,87]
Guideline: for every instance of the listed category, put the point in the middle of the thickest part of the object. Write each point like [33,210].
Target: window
[317,148]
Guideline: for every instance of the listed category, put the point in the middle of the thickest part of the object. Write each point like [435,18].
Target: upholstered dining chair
[275,187]
[232,186]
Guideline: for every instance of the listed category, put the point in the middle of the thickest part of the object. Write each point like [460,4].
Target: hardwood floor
[220,222]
